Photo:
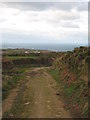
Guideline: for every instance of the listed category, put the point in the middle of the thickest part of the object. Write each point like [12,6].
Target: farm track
[39,97]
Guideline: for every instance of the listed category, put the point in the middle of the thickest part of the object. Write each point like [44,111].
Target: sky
[44,22]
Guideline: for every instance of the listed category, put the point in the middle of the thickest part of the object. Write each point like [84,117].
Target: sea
[50,47]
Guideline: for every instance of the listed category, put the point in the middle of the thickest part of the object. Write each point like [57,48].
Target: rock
[27,103]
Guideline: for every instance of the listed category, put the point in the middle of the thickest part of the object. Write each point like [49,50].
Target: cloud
[39,6]
[51,22]
[70,25]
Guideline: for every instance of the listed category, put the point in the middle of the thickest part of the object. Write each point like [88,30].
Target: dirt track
[40,99]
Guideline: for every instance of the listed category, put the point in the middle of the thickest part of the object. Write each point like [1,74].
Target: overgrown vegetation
[70,70]
[11,78]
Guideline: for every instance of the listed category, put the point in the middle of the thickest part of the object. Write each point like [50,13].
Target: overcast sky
[37,22]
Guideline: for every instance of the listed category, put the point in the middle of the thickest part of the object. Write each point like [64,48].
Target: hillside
[70,70]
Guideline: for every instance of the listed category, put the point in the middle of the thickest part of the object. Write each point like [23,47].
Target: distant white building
[37,52]
[26,52]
